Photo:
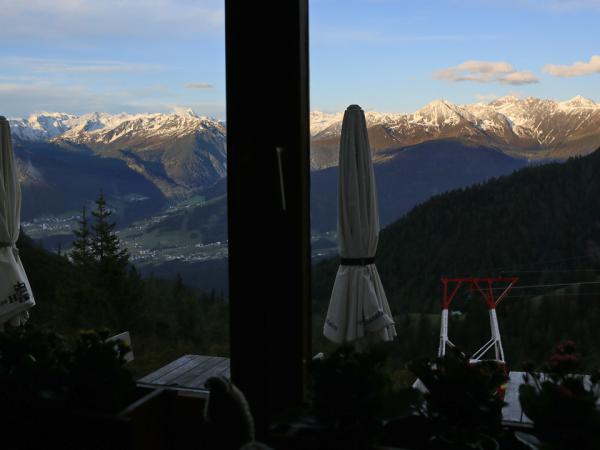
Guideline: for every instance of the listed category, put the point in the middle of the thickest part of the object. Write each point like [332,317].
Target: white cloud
[525,77]
[98,68]
[486,72]
[485,67]
[200,85]
[76,19]
[62,66]
[576,69]
[21,98]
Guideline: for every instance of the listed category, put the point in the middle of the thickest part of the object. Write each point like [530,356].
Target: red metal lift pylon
[485,286]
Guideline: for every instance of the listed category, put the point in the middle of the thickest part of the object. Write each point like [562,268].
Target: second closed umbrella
[15,292]
[358,306]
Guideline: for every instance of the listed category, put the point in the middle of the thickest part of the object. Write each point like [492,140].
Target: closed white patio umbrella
[358,305]
[15,292]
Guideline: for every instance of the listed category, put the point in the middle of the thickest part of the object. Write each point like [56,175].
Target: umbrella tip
[353,107]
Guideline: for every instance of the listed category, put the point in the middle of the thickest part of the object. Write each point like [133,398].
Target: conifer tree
[81,253]
[105,244]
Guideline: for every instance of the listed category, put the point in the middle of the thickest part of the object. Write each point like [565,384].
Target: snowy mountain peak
[184,112]
[579,102]
[438,113]
[320,121]
[104,127]
[505,99]
[437,105]
[42,126]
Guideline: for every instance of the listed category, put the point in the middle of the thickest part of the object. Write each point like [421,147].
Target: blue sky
[387,55]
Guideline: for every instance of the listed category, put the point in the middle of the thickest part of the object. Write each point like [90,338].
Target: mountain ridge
[529,128]
[179,153]
[46,126]
[520,113]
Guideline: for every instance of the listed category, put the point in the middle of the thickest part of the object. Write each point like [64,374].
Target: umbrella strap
[357,261]
[10,245]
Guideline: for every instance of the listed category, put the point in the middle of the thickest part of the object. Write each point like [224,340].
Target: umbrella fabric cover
[15,292]
[358,305]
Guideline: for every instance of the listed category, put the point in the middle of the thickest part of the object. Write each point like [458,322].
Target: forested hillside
[541,224]
[96,287]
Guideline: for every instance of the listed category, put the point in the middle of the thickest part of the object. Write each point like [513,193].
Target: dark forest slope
[541,224]
[538,218]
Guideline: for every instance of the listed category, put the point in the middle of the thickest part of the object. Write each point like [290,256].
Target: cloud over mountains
[577,69]
[486,72]
[199,85]
[504,73]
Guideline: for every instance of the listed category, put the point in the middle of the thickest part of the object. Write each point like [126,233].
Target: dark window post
[268,201]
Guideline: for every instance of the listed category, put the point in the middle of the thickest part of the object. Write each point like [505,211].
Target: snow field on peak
[97,126]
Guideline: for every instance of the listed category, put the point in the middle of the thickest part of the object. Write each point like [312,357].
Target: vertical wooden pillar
[268,201]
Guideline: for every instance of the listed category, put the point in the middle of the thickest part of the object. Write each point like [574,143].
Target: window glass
[466,103]
[117,113]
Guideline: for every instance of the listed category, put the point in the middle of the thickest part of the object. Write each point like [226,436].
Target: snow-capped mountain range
[520,111]
[536,121]
[179,152]
[182,152]
[106,128]
[529,127]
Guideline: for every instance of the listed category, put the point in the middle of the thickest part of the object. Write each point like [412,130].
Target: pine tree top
[81,252]
[98,243]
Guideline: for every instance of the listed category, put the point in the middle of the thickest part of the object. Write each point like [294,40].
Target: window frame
[268,202]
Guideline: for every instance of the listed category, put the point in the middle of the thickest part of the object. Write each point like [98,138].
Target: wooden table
[187,374]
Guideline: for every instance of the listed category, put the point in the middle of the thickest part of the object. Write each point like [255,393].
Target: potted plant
[352,396]
[462,407]
[562,402]
[355,405]
[67,394]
